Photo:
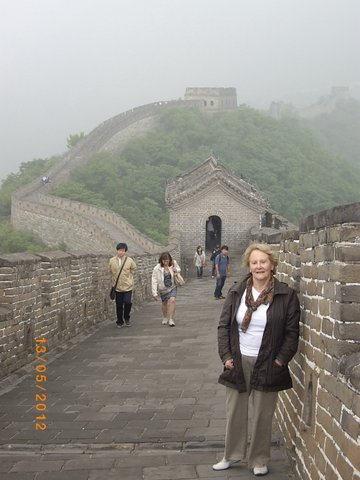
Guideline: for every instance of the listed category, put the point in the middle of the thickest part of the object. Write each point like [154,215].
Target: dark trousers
[219,286]
[123,306]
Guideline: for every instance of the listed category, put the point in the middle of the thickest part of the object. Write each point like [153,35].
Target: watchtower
[213,99]
[209,205]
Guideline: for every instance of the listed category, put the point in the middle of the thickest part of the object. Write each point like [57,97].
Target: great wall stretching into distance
[60,295]
[79,225]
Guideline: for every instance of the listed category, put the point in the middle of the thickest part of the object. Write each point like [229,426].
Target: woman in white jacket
[163,286]
[199,261]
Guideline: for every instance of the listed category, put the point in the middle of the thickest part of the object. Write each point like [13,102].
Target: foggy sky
[68,65]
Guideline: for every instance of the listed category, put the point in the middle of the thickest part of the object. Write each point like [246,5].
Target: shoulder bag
[178,279]
[113,289]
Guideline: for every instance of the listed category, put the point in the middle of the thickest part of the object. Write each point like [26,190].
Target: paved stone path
[127,404]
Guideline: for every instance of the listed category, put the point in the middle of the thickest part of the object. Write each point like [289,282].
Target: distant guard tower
[213,99]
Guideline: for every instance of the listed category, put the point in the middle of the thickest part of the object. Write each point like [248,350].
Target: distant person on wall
[210,229]
[222,270]
[163,286]
[258,335]
[199,261]
[214,254]
[124,283]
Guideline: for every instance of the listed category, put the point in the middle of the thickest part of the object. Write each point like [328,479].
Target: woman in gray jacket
[258,335]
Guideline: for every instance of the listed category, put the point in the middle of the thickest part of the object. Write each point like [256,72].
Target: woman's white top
[250,340]
[199,260]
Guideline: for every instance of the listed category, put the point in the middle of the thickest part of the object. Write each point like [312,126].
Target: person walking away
[222,269]
[124,285]
[258,335]
[163,286]
[214,254]
[199,261]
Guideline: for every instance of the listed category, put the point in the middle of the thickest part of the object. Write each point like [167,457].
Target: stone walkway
[139,403]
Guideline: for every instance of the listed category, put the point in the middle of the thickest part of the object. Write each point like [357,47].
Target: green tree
[11,240]
[282,159]
[72,140]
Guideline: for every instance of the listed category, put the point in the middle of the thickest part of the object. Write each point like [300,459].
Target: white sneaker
[260,471]
[224,464]
[171,323]
[164,321]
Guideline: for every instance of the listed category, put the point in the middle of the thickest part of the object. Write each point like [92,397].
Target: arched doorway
[213,232]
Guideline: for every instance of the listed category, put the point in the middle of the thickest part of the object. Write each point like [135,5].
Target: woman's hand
[156,297]
[229,364]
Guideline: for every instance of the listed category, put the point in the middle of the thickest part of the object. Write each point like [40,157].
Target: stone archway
[213,232]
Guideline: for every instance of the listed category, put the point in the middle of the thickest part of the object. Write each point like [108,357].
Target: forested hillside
[12,241]
[339,131]
[285,161]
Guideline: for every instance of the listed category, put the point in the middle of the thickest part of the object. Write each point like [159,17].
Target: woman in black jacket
[258,335]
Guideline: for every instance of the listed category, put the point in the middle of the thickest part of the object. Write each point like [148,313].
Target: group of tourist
[163,286]
[220,266]
[258,335]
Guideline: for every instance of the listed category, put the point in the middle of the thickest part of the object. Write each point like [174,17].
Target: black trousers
[123,306]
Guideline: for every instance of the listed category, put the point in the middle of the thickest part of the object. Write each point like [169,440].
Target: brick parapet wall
[320,417]
[77,224]
[59,295]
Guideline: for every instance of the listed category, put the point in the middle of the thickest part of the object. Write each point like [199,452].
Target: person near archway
[199,261]
[216,251]
[222,269]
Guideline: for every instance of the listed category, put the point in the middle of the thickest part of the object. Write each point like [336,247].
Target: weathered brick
[330,469]
[325,253]
[324,307]
[320,461]
[344,394]
[330,403]
[324,419]
[327,326]
[344,273]
[350,312]
[345,470]
[348,253]
[347,331]
[348,447]
[349,293]
[350,425]
[349,233]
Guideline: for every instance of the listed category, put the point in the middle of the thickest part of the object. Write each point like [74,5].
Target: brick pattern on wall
[58,295]
[62,294]
[237,220]
[320,417]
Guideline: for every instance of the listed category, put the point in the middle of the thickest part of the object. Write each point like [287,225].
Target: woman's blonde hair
[262,247]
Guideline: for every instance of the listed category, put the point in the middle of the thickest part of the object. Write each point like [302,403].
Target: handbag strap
[122,266]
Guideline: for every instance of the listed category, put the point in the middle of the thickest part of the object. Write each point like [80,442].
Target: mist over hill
[281,158]
[339,130]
